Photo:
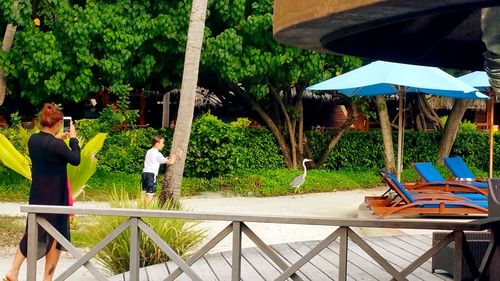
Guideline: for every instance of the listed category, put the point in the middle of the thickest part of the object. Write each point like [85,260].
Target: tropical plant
[467,126]
[180,234]
[78,176]
[12,158]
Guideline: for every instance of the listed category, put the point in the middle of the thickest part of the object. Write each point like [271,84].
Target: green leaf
[13,159]
[79,175]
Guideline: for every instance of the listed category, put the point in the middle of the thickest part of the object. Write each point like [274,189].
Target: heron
[298,181]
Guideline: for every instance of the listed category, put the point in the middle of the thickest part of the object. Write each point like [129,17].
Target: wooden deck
[400,251]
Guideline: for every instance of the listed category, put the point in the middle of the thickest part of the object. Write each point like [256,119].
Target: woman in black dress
[49,157]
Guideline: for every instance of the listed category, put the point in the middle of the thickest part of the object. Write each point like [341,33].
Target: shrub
[217,148]
[181,235]
[211,150]
[467,126]
[124,151]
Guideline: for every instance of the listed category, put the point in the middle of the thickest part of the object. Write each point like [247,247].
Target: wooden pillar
[142,109]
[165,119]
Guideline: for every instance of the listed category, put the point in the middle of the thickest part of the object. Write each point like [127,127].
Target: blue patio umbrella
[389,78]
[480,80]
[476,79]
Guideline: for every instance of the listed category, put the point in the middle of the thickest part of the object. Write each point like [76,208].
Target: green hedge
[363,150]
[217,148]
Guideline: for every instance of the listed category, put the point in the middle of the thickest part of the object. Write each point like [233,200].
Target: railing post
[32,247]
[236,253]
[343,254]
[135,240]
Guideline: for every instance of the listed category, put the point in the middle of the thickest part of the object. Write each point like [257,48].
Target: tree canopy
[78,49]
[81,46]
[270,76]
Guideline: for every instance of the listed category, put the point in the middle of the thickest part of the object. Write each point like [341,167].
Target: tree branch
[336,138]
[285,149]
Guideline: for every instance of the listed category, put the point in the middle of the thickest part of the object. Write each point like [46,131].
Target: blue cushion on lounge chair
[459,168]
[430,174]
[472,196]
[482,203]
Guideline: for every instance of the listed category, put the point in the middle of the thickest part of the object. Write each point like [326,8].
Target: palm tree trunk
[173,179]
[8,38]
[385,127]
[451,128]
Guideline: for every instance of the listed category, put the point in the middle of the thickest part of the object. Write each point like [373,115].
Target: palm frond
[79,175]
[13,159]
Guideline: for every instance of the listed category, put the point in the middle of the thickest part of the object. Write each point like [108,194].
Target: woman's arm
[70,154]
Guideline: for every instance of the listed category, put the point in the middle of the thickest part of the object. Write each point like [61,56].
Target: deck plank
[371,271]
[254,256]
[171,266]
[118,277]
[310,272]
[400,251]
[157,272]
[401,258]
[321,263]
[219,266]
[201,268]
[248,272]
[390,257]
[416,251]
[415,242]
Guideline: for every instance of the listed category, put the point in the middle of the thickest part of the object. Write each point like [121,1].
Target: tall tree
[268,76]
[8,38]
[451,128]
[385,127]
[173,179]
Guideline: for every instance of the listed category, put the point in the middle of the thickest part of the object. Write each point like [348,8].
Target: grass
[244,183]
[14,187]
[11,230]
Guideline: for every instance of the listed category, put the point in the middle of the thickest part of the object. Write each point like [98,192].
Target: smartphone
[66,123]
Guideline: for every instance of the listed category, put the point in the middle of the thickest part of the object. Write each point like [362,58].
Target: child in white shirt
[152,163]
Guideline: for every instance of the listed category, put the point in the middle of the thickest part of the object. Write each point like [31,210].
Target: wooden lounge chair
[416,190]
[460,170]
[437,203]
[432,179]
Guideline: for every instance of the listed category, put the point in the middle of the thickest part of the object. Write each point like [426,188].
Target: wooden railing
[238,226]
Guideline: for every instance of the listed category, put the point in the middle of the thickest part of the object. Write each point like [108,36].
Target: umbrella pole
[400,134]
[491,109]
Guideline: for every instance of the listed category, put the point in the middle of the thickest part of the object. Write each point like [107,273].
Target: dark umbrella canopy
[445,33]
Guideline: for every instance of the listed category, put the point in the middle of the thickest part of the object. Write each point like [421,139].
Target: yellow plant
[78,175]
[13,159]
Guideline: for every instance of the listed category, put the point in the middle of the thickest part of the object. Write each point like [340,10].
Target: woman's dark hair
[50,115]
[156,139]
